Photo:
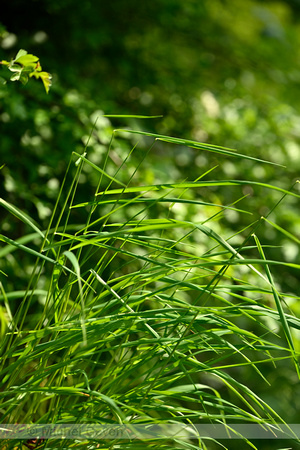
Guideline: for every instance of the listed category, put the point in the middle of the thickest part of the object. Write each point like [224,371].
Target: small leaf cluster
[25,66]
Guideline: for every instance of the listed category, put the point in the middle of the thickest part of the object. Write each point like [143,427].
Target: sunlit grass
[133,317]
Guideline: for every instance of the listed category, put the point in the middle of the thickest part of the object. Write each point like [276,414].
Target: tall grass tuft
[142,308]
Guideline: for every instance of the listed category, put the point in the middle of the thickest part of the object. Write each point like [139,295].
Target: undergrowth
[137,312]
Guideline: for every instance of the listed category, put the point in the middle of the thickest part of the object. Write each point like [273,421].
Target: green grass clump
[142,308]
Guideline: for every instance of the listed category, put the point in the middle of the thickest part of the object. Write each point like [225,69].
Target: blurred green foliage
[223,72]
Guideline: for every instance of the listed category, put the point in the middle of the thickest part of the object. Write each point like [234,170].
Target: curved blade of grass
[76,266]
[280,310]
[130,116]
[282,230]
[98,169]
[34,253]
[22,240]
[27,249]
[195,184]
[201,146]
[20,294]
[21,216]
[159,200]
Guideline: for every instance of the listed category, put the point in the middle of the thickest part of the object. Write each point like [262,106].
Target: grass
[138,315]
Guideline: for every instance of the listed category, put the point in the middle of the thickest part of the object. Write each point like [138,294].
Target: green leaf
[20,54]
[15,77]
[23,77]
[15,68]
[27,60]
[45,77]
